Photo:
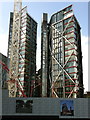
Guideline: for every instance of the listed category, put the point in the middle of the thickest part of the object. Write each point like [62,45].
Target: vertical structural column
[63,60]
[44,55]
[14,57]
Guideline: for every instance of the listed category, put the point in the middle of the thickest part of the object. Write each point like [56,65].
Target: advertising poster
[24,106]
[67,108]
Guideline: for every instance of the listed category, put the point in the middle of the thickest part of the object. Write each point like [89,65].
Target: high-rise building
[61,56]
[10,34]
[44,56]
[23,60]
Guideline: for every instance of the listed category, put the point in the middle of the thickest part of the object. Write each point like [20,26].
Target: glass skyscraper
[26,53]
[61,56]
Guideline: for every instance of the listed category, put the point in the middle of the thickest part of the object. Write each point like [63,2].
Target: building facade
[25,67]
[4,70]
[10,34]
[38,84]
[63,56]
[44,56]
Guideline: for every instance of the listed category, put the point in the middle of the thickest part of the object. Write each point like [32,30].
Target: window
[69,40]
[67,20]
[68,9]
[70,24]
[59,16]
[68,52]
[69,30]
[70,70]
[70,35]
[21,78]
[54,19]
[69,47]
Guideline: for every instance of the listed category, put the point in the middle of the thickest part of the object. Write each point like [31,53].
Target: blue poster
[67,108]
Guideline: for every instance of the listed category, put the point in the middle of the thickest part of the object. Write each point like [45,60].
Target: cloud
[84,42]
[4,43]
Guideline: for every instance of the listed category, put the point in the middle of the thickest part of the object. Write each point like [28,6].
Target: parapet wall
[63,108]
